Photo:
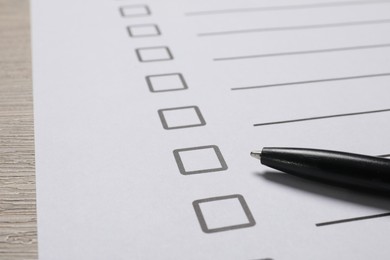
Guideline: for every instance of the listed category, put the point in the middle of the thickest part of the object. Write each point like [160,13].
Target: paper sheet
[146,112]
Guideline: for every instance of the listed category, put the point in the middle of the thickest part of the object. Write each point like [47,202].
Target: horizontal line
[298,27]
[384,155]
[314,81]
[284,7]
[352,219]
[352,48]
[323,117]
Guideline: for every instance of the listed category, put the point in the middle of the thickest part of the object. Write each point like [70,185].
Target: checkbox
[154,54]
[200,159]
[181,117]
[223,213]
[143,30]
[134,10]
[166,82]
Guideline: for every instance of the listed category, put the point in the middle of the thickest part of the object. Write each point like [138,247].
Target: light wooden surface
[18,235]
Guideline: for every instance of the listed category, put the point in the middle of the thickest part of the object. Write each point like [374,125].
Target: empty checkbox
[134,10]
[166,82]
[223,213]
[154,54]
[200,159]
[144,30]
[181,117]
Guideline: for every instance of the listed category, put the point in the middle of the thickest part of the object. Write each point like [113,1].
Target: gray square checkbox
[150,54]
[223,213]
[143,30]
[181,117]
[166,82]
[202,159]
[134,10]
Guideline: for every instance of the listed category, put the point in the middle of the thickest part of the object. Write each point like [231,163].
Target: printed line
[314,81]
[293,28]
[285,7]
[352,48]
[352,219]
[322,117]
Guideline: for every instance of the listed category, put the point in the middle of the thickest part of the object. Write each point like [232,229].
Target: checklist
[146,114]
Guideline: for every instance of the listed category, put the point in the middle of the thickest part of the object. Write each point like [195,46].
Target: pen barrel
[343,169]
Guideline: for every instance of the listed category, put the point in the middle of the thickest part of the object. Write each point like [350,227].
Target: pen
[339,168]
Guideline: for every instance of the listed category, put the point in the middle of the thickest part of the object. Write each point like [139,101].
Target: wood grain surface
[18,234]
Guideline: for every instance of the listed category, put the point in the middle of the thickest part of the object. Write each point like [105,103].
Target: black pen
[343,169]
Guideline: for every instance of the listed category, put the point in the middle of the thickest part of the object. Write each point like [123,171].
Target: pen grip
[343,169]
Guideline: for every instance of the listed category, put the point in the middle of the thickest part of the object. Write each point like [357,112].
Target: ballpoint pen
[339,168]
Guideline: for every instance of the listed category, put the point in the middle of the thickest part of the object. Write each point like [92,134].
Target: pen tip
[256,154]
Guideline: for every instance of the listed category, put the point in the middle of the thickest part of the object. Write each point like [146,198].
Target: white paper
[116,182]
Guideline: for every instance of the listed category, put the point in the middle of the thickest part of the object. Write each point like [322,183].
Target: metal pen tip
[256,154]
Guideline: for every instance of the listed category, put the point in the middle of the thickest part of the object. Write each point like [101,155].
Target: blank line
[284,7]
[322,117]
[352,48]
[298,27]
[352,219]
[313,81]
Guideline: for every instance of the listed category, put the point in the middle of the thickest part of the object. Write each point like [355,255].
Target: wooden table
[18,233]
